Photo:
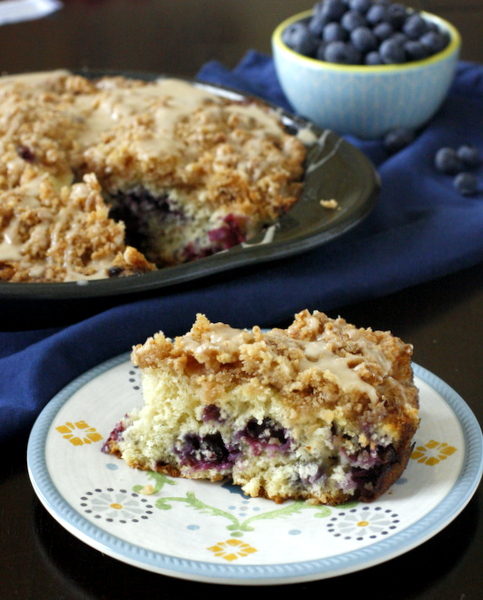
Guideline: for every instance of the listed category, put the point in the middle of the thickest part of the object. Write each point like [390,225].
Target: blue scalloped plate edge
[418,533]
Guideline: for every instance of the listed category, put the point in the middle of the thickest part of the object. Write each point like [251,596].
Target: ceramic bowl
[365,101]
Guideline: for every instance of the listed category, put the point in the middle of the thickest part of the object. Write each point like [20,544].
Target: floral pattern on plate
[203,531]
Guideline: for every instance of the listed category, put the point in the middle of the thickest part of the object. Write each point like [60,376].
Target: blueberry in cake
[117,176]
[320,411]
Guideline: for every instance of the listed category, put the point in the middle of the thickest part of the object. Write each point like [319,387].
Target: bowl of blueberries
[365,67]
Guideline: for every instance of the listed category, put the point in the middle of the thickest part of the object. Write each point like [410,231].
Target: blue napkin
[421,229]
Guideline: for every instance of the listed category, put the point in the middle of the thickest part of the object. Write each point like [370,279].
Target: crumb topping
[316,364]
[67,144]
[62,235]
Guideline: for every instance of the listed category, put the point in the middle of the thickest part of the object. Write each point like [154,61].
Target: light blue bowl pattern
[365,101]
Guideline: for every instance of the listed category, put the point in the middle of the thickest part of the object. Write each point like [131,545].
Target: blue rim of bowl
[418,533]
[451,48]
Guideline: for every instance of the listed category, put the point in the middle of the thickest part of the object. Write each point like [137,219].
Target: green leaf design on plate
[160,481]
[238,527]
[278,513]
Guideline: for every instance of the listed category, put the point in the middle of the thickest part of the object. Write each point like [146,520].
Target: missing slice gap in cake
[115,176]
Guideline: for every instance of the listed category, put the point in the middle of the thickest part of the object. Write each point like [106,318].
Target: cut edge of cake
[320,411]
[170,169]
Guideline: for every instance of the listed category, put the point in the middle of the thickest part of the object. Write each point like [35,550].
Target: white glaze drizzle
[315,355]
[165,101]
[321,142]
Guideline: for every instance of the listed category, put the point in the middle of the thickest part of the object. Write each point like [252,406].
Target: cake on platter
[116,176]
[320,411]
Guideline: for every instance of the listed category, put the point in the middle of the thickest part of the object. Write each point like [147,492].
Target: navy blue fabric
[421,229]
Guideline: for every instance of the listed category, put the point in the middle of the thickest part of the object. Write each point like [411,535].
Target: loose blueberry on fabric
[466,183]
[365,32]
[456,162]
[398,138]
[469,155]
[447,161]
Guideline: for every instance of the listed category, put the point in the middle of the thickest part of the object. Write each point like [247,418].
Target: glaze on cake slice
[321,411]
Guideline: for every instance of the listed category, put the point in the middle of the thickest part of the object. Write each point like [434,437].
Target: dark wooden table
[443,319]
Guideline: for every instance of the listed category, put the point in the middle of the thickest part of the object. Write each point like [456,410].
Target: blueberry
[373,58]
[376,14]
[318,7]
[353,19]
[316,25]
[400,37]
[340,53]
[415,50]
[361,6]
[396,15]
[363,40]
[334,32]
[297,37]
[26,153]
[354,57]
[268,432]
[203,452]
[320,52]
[469,155]
[392,51]
[332,10]
[114,271]
[336,52]
[435,41]
[228,235]
[415,26]
[446,161]
[211,412]
[398,138]
[432,26]
[383,30]
[466,183]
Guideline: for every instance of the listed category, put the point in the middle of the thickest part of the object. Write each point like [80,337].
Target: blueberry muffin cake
[320,411]
[116,176]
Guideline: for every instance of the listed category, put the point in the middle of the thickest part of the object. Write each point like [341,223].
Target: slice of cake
[320,411]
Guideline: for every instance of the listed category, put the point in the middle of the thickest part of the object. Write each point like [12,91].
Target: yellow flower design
[85,433]
[433,453]
[232,549]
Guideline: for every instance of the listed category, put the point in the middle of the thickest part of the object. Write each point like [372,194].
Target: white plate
[211,532]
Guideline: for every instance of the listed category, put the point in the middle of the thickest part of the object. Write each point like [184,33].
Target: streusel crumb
[90,170]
